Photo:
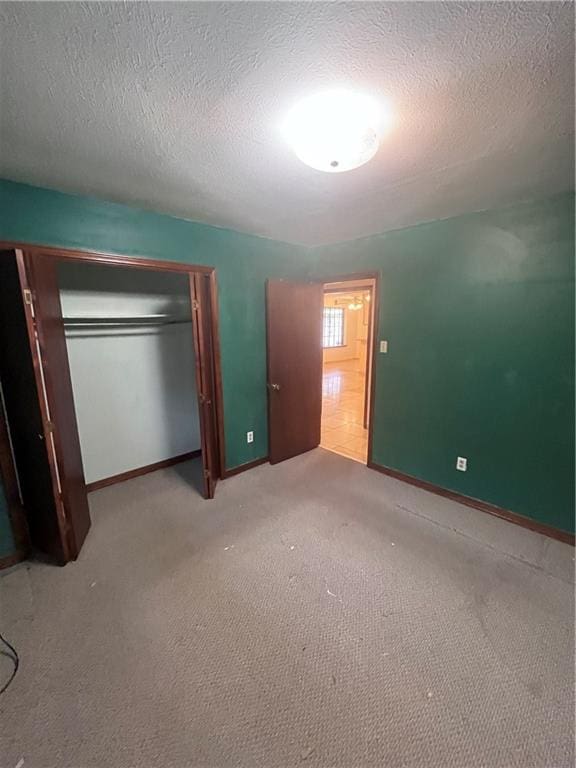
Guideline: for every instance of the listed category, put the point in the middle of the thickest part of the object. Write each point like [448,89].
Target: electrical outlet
[249,437]
[461,463]
[384,347]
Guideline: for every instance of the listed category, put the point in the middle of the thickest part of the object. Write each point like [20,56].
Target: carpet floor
[316,613]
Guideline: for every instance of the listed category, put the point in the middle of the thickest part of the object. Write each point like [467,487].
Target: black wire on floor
[13,655]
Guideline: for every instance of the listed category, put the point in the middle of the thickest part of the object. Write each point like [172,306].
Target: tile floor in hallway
[343,410]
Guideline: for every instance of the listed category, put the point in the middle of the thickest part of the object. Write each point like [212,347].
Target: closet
[131,357]
[109,368]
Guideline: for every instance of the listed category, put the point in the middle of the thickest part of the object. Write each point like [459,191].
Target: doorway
[320,365]
[347,323]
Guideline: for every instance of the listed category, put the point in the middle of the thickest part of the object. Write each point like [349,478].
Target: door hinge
[207,474]
[28,297]
[203,399]
[195,304]
[50,426]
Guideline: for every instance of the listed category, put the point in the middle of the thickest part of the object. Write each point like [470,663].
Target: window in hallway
[333,327]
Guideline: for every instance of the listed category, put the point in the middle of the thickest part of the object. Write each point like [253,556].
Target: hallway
[343,409]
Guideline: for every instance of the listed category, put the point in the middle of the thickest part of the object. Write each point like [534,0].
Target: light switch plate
[384,347]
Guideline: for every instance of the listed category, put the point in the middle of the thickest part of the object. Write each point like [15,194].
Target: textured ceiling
[177,106]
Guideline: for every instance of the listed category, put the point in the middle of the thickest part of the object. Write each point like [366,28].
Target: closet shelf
[87,321]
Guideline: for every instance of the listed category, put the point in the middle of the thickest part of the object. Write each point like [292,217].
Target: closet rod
[78,322]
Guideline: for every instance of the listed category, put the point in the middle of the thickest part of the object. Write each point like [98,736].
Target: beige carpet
[315,613]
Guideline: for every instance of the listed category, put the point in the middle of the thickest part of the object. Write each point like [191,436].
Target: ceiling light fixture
[335,131]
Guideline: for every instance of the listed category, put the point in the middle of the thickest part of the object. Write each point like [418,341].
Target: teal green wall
[478,311]
[479,315]
[243,264]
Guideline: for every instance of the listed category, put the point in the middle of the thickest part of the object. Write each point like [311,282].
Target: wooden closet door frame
[200,295]
[43,311]
[215,441]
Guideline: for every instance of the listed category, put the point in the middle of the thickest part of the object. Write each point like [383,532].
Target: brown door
[39,283]
[39,405]
[294,342]
[200,291]
[23,417]
[368,368]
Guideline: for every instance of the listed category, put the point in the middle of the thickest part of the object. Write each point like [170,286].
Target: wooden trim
[483,506]
[369,373]
[120,478]
[348,289]
[244,467]
[218,389]
[374,364]
[112,259]
[198,357]
[203,369]
[349,278]
[13,559]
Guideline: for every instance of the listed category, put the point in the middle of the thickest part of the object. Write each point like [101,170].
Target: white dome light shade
[334,131]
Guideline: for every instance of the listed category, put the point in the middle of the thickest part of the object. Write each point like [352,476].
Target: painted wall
[479,315]
[478,311]
[134,387]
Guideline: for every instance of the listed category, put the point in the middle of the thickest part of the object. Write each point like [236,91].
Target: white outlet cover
[249,437]
[384,347]
[461,463]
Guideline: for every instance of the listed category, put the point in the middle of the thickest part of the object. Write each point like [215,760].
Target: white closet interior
[130,346]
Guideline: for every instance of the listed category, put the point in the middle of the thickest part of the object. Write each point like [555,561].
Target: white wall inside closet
[134,385]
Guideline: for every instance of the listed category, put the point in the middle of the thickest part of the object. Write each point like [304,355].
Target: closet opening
[130,347]
[109,369]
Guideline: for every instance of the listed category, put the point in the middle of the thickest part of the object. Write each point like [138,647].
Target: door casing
[373,341]
[368,377]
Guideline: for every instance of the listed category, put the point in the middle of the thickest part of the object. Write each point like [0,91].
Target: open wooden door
[40,406]
[200,292]
[294,344]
